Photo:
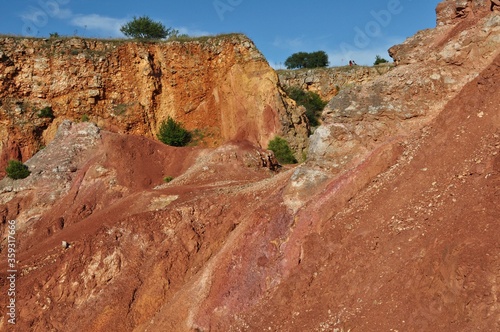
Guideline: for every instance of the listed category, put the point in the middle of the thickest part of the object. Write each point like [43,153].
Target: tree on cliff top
[145,28]
[307,60]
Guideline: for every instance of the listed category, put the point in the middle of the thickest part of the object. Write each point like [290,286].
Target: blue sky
[357,30]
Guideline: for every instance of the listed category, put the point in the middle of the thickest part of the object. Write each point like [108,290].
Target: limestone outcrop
[495,5]
[432,68]
[327,82]
[449,11]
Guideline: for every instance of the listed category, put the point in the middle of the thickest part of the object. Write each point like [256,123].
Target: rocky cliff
[221,86]
[391,224]
[433,67]
[327,82]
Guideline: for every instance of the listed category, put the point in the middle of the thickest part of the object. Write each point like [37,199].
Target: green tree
[282,151]
[307,60]
[296,60]
[379,60]
[145,28]
[310,100]
[17,170]
[317,59]
[173,133]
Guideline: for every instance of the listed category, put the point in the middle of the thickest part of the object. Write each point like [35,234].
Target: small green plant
[85,118]
[282,151]
[17,170]
[197,137]
[379,60]
[54,35]
[167,179]
[173,133]
[46,112]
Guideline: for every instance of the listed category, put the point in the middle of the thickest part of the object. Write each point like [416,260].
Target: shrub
[379,60]
[145,28]
[85,118]
[311,101]
[46,112]
[167,179]
[282,151]
[17,170]
[173,133]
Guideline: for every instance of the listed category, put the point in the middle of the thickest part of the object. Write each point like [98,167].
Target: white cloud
[38,14]
[106,25]
[35,18]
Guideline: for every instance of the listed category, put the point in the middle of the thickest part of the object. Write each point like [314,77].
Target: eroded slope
[391,224]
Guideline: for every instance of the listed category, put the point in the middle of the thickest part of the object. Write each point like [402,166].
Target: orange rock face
[222,87]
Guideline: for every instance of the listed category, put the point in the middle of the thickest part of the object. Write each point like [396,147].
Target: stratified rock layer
[327,82]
